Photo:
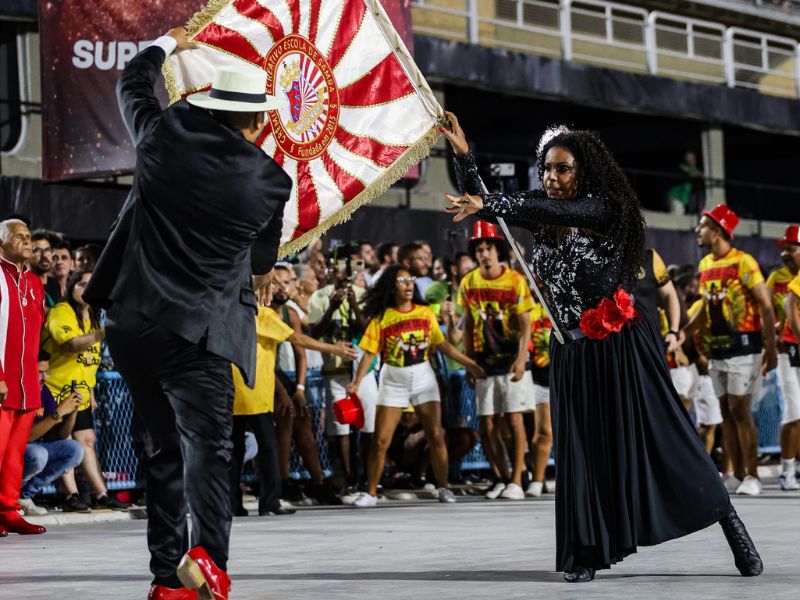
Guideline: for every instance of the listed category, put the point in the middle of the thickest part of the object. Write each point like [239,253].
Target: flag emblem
[295,69]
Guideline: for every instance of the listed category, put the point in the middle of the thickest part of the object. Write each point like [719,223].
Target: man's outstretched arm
[137,100]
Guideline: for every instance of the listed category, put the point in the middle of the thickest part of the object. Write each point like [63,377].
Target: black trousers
[263,427]
[183,395]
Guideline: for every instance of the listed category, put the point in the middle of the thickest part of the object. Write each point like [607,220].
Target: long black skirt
[630,467]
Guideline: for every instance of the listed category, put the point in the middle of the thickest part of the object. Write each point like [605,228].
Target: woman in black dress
[631,469]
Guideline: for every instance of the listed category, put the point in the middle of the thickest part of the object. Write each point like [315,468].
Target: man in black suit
[198,233]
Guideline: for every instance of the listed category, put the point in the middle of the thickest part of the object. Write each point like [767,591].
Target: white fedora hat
[238,90]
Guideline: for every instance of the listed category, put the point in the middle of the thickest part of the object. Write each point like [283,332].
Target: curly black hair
[600,175]
[381,295]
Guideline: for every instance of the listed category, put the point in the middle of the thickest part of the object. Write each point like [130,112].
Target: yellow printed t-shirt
[702,337]
[495,305]
[403,338]
[794,287]
[778,285]
[66,367]
[734,318]
[270,331]
[660,270]
[540,337]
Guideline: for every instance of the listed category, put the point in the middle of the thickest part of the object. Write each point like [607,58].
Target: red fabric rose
[624,303]
[612,317]
[592,325]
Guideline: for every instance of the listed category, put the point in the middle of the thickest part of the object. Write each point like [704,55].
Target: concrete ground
[405,550]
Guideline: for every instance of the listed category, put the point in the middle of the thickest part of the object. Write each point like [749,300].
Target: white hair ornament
[549,134]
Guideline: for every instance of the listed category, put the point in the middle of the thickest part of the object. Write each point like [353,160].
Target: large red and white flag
[360,113]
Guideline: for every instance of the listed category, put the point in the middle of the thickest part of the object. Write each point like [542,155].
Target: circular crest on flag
[298,71]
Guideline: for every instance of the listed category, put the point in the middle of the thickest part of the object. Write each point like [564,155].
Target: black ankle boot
[579,575]
[745,555]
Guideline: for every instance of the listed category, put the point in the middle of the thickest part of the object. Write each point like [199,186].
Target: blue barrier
[768,415]
[120,465]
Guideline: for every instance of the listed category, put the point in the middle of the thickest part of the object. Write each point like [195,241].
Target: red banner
[84,47]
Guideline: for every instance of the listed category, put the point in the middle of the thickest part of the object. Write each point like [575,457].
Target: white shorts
[706,402]
[541,394]
[498,395]
[789,380]
[367,393]
[400,386]
[738,376]
[685,380]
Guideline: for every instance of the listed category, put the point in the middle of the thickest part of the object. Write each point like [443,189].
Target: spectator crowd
[398,338]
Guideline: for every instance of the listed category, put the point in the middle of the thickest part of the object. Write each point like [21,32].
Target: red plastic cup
[349,411]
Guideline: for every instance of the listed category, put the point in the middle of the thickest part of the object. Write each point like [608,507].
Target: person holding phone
[335,315]
[72,337]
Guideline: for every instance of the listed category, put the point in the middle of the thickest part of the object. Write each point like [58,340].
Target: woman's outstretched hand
[464,206]
[455,136]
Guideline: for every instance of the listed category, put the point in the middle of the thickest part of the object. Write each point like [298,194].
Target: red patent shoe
[198,572]
[3,532]
[162,592]
[13,523]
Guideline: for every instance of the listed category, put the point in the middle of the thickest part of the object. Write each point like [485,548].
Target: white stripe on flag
[360,167]
[255,32]
[329,16]
[305,18]
[280,9]
[329,195]
[365,51]
[382,121]
[196,68]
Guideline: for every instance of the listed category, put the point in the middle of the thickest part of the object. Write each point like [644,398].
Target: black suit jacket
[204,215]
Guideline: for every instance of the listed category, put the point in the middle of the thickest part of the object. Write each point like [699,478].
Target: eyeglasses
[406,280]
[46,251]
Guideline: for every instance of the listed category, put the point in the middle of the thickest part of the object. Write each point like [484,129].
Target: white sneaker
[29,508]
[535,489]
[750,486]
[493,493]
[731,482]
[513,492]
[788,483]
[365,500]
[446,496]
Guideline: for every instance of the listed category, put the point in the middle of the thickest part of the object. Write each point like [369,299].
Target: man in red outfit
[21,319]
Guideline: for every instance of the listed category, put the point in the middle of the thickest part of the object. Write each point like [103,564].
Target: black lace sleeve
[531,208]
[467,177]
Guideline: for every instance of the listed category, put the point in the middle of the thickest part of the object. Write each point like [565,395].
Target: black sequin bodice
[578,266]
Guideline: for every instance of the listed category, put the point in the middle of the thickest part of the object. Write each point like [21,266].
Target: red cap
[724,217]
[792,236]
[484,230]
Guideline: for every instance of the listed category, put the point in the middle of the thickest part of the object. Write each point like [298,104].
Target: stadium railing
[620,36]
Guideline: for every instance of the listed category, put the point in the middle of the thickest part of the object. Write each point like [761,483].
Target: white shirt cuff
[167,43]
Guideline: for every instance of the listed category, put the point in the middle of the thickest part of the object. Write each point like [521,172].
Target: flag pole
[529,274]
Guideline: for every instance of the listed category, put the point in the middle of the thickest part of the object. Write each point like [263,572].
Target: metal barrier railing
[621,36]
[120,464]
